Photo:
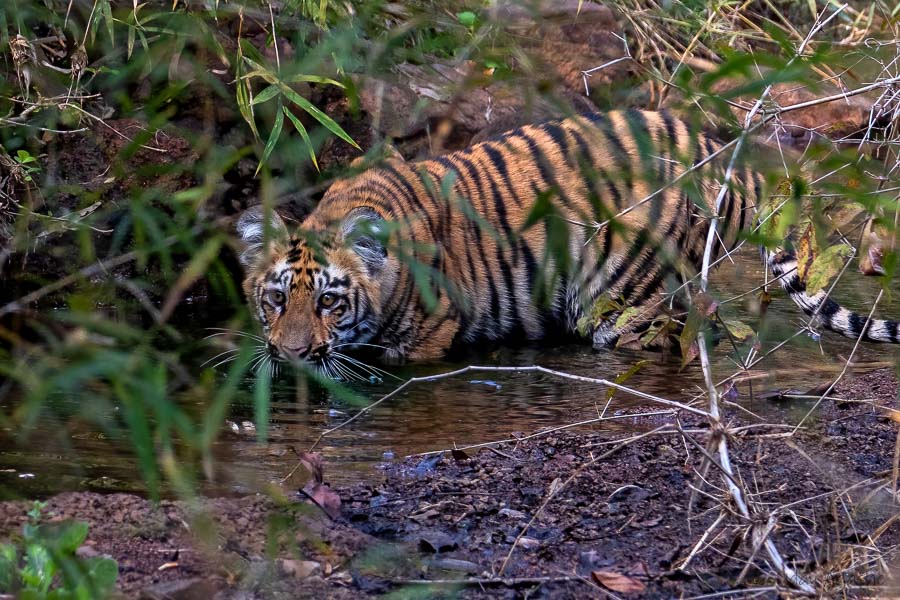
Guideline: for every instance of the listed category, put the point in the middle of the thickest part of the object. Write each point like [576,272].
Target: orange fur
[499,240]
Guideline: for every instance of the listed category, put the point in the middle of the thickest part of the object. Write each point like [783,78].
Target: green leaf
[71,537]
[39,567]
[24,157]
[108,18]
[627,315]
[314,79]
[738,329]
[273,137]
[825,266]
[261,396]
[689,334]
[103,573]
[303,133]
[318,115]
[265,95]
[242,94]
[623,377]
[8,565]
[131,36]
[467,18]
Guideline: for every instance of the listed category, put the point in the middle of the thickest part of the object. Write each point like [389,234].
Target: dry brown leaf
[618,582]
[872,255]
[324,497]
[312,461]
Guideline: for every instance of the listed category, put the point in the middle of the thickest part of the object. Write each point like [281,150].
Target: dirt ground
[622,525]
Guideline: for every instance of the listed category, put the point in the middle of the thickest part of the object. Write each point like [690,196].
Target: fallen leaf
[806,252]
[528,543]
[872,260]
[312,461]
[512,514]
[458,454]
[301,569]
[729,392]
[627,315]
[738,329]
[618,582]
[705,303]
[825,266]
[324,497]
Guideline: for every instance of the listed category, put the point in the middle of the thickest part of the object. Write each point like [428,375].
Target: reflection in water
[471,409]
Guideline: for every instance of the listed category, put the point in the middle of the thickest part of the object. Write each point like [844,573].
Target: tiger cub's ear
[379,156]
[363,230]
[257,234]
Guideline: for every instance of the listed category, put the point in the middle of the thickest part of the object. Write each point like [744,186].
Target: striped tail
[829,313]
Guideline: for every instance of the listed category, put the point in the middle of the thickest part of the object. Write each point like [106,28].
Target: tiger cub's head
[314,293]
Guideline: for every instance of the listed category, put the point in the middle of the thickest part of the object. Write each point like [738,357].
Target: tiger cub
[517,236]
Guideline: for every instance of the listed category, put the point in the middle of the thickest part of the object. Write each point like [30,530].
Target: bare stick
[530,369]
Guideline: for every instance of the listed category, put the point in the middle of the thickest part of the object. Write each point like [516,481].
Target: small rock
[456,564]
[528,543]
[183,589]
[86,551]
[301,569]
[512,514]
[436,541]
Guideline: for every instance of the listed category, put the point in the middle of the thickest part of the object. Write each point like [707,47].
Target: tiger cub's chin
[574,225]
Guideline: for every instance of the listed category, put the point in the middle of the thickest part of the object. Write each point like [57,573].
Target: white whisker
[371,369]
[344,370]
[230,350]
[360,344]
[221,331]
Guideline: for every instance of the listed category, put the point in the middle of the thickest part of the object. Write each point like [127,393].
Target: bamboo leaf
[108,18]
[261,393]
[318,115]
[265,95]
[242,95]
[313,79]
[303,133]
[195,269]
[273,137]
[621,378]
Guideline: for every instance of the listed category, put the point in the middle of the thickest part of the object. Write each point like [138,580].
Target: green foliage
[28,163]
[43,564]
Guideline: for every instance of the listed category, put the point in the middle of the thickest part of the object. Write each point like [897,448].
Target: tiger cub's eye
[277,297]
[327,300]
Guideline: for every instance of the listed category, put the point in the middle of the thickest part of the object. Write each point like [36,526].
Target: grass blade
[318,115]
[303,133]
[273,137]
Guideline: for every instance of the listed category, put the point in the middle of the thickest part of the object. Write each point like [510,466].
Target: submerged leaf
[738,329]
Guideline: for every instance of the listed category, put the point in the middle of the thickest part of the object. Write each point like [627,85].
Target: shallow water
[474,408]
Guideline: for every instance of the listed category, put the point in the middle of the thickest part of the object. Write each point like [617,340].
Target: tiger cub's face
[312,297]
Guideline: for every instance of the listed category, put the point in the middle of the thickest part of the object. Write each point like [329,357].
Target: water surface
[67,454]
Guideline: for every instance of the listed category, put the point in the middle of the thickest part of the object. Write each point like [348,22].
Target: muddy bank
[624,517]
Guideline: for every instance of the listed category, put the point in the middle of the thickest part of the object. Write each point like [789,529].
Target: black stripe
[396,178]
[857,323]
[472,171]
